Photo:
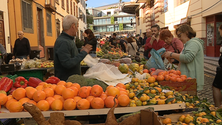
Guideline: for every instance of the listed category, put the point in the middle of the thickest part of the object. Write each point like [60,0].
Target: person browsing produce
[67,58]
[90,39]
[191,60]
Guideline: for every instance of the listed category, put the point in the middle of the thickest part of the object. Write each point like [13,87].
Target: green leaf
[219,115]
[169,100]
[209,116]
[146,88]
[139,93]
[151,95]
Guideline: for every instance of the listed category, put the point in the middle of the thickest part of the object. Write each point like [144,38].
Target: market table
[34,72]
[104,111]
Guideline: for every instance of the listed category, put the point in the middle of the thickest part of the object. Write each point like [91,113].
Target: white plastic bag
[90,61]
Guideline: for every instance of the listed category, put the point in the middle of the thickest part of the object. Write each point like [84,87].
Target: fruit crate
[37,73]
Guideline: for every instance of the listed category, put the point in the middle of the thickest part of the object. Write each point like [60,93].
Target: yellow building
[36,18]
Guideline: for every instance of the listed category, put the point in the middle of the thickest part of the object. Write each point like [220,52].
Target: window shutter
[49,24]
[24,15]
[29,15]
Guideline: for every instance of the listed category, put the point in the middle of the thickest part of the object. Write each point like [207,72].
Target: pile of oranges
[65,96]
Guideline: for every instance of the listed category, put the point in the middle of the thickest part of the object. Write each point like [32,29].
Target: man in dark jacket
[66,56]
[22,47]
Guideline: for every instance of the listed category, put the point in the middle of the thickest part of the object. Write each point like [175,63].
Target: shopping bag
[155,61]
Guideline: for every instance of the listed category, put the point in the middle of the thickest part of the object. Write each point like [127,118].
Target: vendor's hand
[13,57]
[28,57]
[167,54]
[87,48]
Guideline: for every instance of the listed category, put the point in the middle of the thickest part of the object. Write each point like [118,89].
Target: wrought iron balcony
[50,5]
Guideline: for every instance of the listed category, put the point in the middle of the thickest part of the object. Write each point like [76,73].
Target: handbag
[137,53]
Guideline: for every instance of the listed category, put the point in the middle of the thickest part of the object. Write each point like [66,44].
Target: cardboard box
[189,86]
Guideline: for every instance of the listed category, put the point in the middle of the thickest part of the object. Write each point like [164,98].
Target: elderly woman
[217,85]
[172,44]
[191,60]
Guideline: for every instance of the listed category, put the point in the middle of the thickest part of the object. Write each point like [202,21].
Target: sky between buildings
[98,3]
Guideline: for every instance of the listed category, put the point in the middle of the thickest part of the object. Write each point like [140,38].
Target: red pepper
[52,80]
[20,82]
[13,89]
[34,82]
[6,84]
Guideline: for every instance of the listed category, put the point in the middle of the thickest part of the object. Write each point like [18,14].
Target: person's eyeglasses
[179,35]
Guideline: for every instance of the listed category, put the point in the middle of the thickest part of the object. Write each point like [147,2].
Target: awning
[185,20]
[142,1]
[130,8]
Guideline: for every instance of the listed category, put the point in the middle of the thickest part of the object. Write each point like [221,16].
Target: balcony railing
[50,5]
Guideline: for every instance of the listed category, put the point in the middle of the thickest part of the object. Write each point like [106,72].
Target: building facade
[4,26]
[36,19]
[82,18]
[109,19]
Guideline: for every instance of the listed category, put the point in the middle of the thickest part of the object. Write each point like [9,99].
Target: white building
[4,26]
[82,18]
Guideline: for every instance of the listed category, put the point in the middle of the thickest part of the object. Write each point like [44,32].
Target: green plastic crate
[32,73]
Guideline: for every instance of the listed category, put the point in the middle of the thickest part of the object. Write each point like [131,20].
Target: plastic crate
[32,73]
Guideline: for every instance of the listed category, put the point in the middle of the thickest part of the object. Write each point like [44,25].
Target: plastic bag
[155,61]
[90,61]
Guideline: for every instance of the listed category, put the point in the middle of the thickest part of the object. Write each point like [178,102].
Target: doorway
[40,31]
[2,30]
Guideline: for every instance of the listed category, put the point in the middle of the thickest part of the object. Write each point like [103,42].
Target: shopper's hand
[84,34]
[167,54]
[28,57]
[152,39]
[13,57]
[87,48]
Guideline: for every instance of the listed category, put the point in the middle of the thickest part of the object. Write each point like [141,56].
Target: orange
[39,95]
[10,97]
[61,83]
[97,103]
[77,98]
[123,92]
[90,98]
[76,91]
[103,96]
[162,73]
[42,83]
[160,78]
[151,79]
[49,92]
[24,100]
[9,102]
[145,71]
[76,85]
[121,85]
[68,84]
[84,91]
[59,89]
[53,86]
[204,120]
[173,79]
[179,80]
[109,87]
[57,105]
[58,97]
[15,107]
[69,104]
[166,121]
[109,102]
[50,100]
[123,100]
[155,76]
[178,72]
[30,91]
[183,76]
[96,90]
[167,77]
[113,91]
[39,87]
[43,105]
[83,104]
[67,93]
[32,102]
[19,93]
[3,99]
[159,89]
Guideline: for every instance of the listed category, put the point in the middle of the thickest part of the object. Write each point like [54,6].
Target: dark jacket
[21,47]
[92,42]
[66,57]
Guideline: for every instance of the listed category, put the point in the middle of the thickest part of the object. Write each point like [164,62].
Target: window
[76,11]
[49,24]
[179,2]
[67,5]
[165,6]
[63,6]
[57,1]
[71,6]
[115,12]
[110,28]
[151,3]
[108,13]
[27,16]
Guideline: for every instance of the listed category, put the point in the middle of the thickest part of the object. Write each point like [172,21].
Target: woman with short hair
[131,46]
[191,60]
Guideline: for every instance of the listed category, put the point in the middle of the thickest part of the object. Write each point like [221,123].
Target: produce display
[37,63]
